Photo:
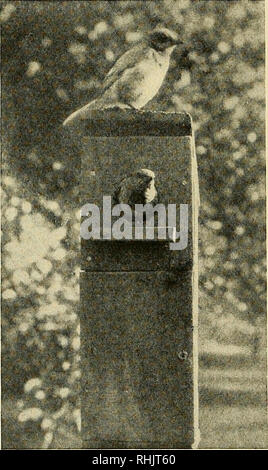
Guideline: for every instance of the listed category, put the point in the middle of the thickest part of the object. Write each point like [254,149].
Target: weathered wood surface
[138,323]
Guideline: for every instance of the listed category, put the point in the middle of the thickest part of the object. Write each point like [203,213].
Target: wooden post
[138,297]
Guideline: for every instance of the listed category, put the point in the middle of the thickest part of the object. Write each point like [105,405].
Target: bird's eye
[162,37]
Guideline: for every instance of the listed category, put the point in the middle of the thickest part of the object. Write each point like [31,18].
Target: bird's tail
[99,103]
[82,113]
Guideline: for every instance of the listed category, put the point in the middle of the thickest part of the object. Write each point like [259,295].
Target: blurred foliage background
[54,57]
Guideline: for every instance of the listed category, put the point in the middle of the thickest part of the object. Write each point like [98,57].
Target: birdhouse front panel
[138,296]
[107,161]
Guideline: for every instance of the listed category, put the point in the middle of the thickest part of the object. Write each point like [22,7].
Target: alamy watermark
[121,222]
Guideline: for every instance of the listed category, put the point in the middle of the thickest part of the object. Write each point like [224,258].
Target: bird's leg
[127,106]
[132,107]
[118,106]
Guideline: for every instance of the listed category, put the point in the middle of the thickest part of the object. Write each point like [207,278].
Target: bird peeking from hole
[136,76]
[138,188]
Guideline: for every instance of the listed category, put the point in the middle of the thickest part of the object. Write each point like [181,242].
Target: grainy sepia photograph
[133,226]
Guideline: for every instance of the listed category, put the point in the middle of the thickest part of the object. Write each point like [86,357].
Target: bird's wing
[128,60]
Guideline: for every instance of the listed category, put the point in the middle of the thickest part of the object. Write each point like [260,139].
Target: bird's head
[148,182]
[163,39]
[146,175]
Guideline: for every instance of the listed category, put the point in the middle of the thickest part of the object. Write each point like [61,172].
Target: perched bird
[136,76]
[138,188]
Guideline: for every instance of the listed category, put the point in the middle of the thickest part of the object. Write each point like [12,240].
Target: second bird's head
[163,40]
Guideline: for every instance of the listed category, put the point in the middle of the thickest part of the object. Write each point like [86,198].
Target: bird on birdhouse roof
[136,76]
